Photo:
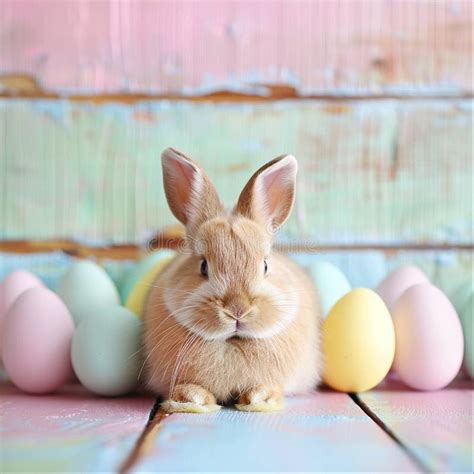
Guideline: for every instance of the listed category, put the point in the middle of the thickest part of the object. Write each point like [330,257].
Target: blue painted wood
[320,432]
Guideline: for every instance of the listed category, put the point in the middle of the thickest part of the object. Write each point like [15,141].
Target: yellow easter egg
[135,300]
[358,342]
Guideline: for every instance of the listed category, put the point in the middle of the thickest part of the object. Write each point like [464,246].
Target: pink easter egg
[398,281]
[429,338]
[14,284]
[37,341]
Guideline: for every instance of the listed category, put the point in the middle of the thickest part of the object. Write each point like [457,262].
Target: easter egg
[462,294]
[429,337]
[14,284]
[331,284]
[396,282]
[106,350]
[466,315]
[136,286]
[358,342]
[462,300]
[84,286]
[37,341]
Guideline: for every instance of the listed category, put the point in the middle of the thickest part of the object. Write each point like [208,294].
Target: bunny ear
[269,195]
[191,196]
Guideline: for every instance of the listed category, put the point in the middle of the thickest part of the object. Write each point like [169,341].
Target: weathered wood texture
[319,433]
[318,47]
[436,426]
[72,431]
[447,269]
[370,172]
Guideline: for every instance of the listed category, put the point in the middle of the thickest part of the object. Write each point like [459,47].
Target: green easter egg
[466,316]
[461,295]
[86,285]
[331,284]
[140,269]
[106,350]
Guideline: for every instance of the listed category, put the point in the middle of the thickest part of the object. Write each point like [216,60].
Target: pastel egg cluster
[93,330]
[406,324]
[82,329]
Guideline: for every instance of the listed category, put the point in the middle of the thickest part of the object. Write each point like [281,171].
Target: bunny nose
[238,308]
[238,314]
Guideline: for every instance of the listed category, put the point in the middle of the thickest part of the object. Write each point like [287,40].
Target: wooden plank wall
[365,47]
[374,98]
[370,171]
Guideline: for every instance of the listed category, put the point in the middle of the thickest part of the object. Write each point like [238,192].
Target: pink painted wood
[318,47]
[68,431]
[436,426]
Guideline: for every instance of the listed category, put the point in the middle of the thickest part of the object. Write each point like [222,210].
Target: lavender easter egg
[398,281]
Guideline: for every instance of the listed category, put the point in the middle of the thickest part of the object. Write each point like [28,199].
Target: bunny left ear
[191,196]
[269,195]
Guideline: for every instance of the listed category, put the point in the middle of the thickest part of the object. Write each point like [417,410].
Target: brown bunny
[230,320]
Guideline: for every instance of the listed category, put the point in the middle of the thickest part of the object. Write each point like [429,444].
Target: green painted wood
[383,171]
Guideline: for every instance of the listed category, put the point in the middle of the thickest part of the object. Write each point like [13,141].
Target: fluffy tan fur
[237,334]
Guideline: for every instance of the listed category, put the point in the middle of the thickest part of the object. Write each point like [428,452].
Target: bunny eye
[204,271]
[265,267]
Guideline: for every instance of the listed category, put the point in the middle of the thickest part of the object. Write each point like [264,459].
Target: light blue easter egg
[466,315]
[141,268]
[331,284]
[106,350]
[86,285]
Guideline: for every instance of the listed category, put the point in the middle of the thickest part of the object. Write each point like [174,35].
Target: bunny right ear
[191,196]
[269,195]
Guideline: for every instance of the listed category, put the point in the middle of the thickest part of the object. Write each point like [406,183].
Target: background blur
[374,98]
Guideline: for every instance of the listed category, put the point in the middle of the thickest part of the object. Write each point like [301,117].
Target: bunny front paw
[261,399]
[190,398]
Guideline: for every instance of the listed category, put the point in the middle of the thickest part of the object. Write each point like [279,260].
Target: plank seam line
[142,445]
[390,433]
[134,250]
[229,98]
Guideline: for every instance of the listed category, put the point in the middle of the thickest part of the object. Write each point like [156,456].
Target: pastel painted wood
[436,426]
[370,171]
[72,431]
[320,432]
[317,47]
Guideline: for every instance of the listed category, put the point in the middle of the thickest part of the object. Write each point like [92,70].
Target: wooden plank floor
[72,431]
[436,426]
[324,431]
